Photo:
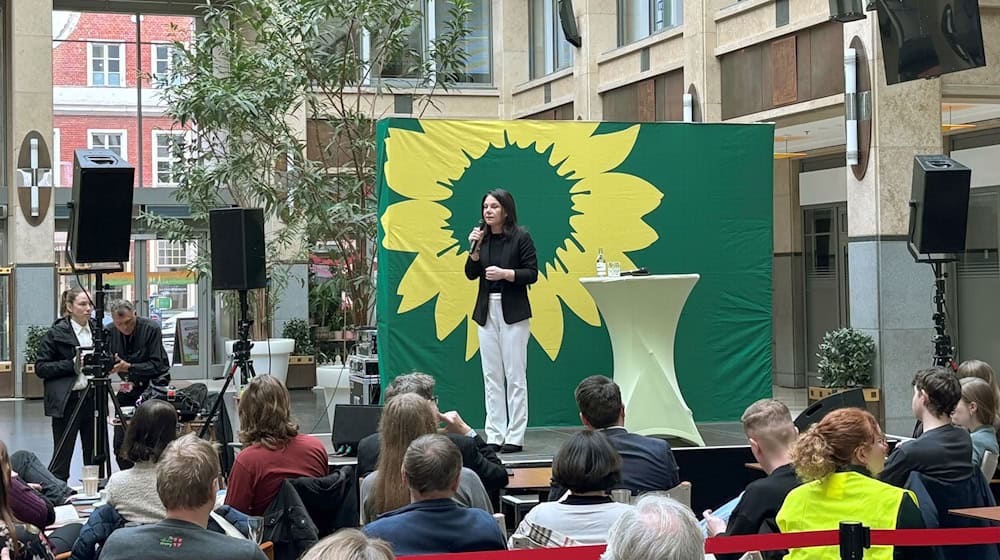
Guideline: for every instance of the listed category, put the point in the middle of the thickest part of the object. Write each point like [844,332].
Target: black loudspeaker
[940,196]
[852,398]
[100,221]
[237,236]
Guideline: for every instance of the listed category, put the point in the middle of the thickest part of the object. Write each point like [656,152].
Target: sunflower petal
[547,317]
[471,339]
[457,302]
[420,283]
[417,226]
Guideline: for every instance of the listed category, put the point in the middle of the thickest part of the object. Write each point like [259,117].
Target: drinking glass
[614,269]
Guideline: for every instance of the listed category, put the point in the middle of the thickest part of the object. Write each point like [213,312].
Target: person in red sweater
[273,448]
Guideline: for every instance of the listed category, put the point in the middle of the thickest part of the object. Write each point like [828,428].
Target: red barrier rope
[743,543]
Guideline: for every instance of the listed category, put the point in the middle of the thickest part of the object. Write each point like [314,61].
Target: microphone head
[482,224]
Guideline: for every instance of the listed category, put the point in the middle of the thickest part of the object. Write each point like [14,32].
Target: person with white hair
[657,528]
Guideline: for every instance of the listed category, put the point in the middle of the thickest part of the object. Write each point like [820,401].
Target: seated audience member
[837,458]
[657,528]
[589,467]
[647,463]
[273,448]
[405,418]
[769,427]
[26,466]
[18,541]
[349,544]
[25,503]
[976,412]
[432,523]
[982,370]
[132,492]
[476,455]
[943,451]
[187,479]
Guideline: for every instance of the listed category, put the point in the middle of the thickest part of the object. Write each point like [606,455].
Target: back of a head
[769,423]
[151,429]
[657,528]
[186,473]
[599,400]
[830,443]
[975,390]
[942,388]
[977,368]
[121,307]
[350,544]
[432,463]
[587,463]
[416,382]
[265,413]
[404,418]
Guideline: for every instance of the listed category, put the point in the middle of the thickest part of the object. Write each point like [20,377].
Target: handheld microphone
[475,244]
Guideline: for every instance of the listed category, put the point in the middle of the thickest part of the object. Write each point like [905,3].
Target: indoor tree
[279,98]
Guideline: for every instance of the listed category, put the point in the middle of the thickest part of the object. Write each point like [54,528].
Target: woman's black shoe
[511,448]
[495,447]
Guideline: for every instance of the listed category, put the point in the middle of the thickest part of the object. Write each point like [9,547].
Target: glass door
[826,281]
[978,280]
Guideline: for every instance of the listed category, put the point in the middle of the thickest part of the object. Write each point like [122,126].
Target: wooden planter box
[301,372]
[32,386]
[873,399]
[6,380]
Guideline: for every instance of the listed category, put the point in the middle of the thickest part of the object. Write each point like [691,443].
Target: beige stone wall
[529,98]
[624,65]
[30,24]
[746,19]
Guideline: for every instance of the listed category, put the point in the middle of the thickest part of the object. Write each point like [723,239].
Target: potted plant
[302,362]
[32,385]
[845,362]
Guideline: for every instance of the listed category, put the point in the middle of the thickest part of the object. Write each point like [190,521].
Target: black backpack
[188,401]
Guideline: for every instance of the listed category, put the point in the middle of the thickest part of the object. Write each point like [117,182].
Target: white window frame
[121,63]
[106,131]
[156,159]
[155,82]
[172,249]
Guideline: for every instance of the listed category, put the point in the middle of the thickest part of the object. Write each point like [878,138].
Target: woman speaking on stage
[502,257]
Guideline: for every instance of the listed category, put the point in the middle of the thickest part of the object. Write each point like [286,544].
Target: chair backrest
[936,497]
[989,464]
[681,493]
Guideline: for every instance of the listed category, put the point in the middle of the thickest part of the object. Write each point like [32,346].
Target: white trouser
[503,349]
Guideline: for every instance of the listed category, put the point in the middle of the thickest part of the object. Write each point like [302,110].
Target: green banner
[674,198]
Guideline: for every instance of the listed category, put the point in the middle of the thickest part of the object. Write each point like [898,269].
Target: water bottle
[602,266]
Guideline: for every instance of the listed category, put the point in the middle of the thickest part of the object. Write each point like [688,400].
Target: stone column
[510,32]
[890,294]
[31,246]
[701,67]
[598,24]
[789,307]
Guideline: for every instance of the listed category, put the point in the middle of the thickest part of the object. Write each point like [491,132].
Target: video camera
[97,365]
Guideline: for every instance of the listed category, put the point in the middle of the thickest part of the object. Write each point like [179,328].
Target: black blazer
[146,354]
[648,463]
[55,364]
[519,255]
[475,455]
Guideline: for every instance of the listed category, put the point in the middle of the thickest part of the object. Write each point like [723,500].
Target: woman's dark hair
[151,429]
[587,463]
[510,210]
[6,515]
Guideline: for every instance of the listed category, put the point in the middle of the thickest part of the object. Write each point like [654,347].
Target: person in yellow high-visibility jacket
[837,459]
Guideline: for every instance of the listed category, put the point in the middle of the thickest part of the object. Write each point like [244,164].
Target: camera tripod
[96,368]
[944,352]
[239,359]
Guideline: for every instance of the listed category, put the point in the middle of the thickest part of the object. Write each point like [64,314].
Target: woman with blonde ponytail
[837,459]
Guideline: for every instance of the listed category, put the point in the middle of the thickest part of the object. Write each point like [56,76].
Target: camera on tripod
[97,365]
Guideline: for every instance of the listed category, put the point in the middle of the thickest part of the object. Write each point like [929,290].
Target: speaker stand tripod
[238,360]
[98,385]
[944,352]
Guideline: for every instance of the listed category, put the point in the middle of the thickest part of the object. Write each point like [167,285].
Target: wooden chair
[64,555]
[267,547]
[681,493]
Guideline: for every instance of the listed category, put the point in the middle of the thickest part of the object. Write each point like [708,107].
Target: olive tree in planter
[845,362]
[33,387]
[280,98]
[302,362]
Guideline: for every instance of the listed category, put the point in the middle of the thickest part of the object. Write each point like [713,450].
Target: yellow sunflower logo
[570,195]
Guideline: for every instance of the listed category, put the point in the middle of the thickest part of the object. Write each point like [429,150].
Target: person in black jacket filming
[65,383]
[136,343]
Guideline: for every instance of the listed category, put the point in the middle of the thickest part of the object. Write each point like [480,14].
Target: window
[171,254]
[549,49]
[163,61]
[436,16]
[106,64]
[164,158]
[113,140]
[638,19]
